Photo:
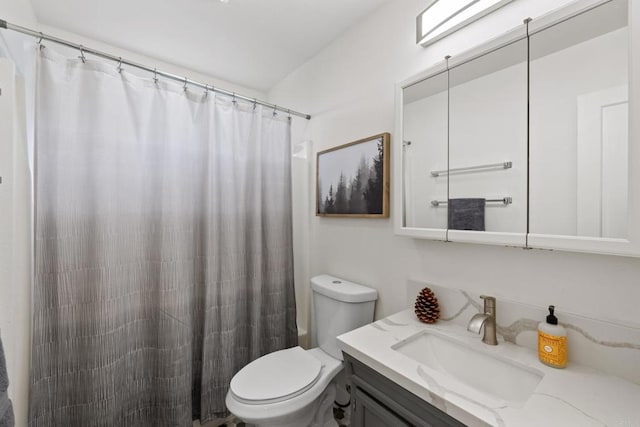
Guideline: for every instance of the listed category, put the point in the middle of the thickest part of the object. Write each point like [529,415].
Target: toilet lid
[275,377]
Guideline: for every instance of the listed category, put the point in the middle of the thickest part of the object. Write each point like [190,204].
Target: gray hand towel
[466,214]
[6,409]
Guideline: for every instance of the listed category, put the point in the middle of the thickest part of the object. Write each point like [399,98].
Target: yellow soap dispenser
[552,342]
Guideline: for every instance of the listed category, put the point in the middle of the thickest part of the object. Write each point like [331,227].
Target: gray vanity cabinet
[379,402]
[369,412]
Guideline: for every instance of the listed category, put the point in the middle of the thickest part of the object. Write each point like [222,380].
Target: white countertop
[574,396]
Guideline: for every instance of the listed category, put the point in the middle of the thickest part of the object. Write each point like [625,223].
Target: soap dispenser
[552,342]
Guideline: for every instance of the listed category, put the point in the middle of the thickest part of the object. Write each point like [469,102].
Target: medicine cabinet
[526,140]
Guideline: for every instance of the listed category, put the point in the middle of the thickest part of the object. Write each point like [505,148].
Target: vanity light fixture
[443,17]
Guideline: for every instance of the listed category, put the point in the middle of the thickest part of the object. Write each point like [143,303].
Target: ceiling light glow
[443,17]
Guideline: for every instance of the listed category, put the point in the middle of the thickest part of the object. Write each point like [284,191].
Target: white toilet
[294,387]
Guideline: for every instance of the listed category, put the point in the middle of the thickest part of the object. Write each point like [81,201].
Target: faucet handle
[489,302]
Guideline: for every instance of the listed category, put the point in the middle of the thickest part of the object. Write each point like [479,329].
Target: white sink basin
[485,372]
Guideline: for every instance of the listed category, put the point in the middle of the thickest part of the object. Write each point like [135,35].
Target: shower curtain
[164,256]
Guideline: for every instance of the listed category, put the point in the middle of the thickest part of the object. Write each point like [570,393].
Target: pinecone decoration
[426,307]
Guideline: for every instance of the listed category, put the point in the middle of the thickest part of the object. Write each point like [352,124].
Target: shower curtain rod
[6,25]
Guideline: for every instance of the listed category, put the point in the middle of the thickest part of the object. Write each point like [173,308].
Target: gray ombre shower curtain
[163,247]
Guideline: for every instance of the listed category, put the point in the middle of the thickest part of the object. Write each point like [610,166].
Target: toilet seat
[276,377]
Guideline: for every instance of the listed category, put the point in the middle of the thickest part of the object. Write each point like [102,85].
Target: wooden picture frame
[348,181]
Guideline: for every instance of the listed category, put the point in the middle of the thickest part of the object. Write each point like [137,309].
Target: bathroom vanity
[404,372]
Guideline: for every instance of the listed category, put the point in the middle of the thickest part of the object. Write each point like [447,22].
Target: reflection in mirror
[424,150]
[488,142]
[579,125]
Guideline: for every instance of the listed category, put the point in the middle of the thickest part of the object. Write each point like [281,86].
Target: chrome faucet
[486,319]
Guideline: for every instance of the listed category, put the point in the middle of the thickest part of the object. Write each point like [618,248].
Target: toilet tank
[339,306]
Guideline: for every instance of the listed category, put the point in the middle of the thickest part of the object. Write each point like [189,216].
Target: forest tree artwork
[353,179]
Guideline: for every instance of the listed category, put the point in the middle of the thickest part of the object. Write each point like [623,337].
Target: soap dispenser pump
[552,341]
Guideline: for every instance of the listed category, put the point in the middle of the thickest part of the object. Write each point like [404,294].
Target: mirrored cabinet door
[424,151]
[488,146]
[579,130]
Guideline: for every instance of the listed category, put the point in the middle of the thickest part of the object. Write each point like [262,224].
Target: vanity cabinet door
[378,401]
[368,412]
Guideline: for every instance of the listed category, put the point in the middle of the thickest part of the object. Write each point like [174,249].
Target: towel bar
[505,201]
[502,165]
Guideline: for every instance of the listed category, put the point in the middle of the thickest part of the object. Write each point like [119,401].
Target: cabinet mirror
[488,145]
[464,149]
[527,139]
[579,125]
[424,150]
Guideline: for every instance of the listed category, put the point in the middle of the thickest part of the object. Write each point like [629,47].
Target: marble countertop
[574,396]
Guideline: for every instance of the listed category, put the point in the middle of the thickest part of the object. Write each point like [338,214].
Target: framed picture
[352,180]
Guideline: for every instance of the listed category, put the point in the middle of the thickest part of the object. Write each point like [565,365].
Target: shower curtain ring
[155,76]
[289,114]
[82,54]
[206,90]
[119,68]
[234,101]
[275,107]
[255,104]
[39,44]
[185,84]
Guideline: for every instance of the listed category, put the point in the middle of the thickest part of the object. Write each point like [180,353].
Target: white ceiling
[254,43]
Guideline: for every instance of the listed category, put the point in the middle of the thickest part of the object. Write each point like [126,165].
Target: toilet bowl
[271,393]
[294,387]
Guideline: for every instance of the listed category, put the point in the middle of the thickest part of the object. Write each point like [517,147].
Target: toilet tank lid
[342,290]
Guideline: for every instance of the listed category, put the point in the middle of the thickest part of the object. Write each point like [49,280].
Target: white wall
[19,12]
[14,262]
[146,60]
[15,267]
[349,90]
